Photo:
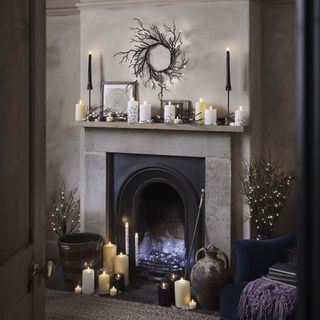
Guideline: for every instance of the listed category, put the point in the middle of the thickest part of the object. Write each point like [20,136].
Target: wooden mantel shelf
[158,126]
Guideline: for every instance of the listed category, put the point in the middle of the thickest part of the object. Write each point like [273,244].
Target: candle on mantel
[80,111]
[136,248]
[109,117]
[177,121]
[182,293]
[199,111]
[109,253]
[121,265]
[88,281]
[210,116]
[104,282]
[145,113]
[241,117]
[126,237]
[77,289]
[192,305]
[164,294]
[169,113]
[133,111]
[113,292]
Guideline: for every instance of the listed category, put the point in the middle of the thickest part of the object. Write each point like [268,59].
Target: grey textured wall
[63,90]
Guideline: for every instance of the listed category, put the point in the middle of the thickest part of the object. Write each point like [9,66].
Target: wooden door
[22,157]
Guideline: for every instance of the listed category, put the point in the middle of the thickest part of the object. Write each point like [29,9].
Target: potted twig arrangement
[75,248]
[266,187]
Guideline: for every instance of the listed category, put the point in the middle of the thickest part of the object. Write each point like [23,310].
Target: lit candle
[164,294]
[145,112]
[169,113]
[126,237]
[199,111]
[133,111]
[88,281]
[172,279]
[77,289]
[80,111]
[182,293]
[121,265]
[118,281]
[136,248]
[109,117]
[192,305]
[210,116]
[241,117]
[177,120]
[113,291]
[109,253]
[228,75]
[104,282]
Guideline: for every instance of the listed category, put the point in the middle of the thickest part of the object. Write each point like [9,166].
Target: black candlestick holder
[164,294]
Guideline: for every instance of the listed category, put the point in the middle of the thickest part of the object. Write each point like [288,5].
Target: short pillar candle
[118,281]
[164,294]
[182,293]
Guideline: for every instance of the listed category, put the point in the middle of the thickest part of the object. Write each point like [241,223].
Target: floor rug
[62,305]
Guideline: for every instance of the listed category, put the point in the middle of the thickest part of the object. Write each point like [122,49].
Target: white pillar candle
[77,290]
[80,111]
[145,112]
[126,237]
[169,113]
[241,117]
[199,111]
[182,293]
[104,282]
[121,265]
[133,111]
[109,253]
[88,281]
[113,292]
[136,248]
[192,305]
[210,116]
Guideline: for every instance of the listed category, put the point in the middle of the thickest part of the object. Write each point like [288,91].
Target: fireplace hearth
[158,196]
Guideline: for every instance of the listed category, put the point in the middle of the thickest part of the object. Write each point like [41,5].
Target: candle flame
[121,254]
[169,103]
[227,49]
[103,272]
[80,101]
[90,52]
[210,107]
[132,98]
[200,100]
[240,108]
[127,224]
[136,235]
[145,102]
[109,243]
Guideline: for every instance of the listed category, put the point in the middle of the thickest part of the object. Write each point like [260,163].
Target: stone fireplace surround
[99,140]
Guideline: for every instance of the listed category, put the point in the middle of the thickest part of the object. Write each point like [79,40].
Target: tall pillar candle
[199,111]
[88,281]
[126,237]
[121,265]
[109,253]
[133,111]
[145,112]
[80,111]
[169,113]
[182,293]
[104,282]
[210,116]
[136,248]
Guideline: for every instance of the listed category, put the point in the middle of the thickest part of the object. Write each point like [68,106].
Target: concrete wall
[63,87]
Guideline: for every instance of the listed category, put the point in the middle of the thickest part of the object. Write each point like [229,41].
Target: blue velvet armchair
[254,257]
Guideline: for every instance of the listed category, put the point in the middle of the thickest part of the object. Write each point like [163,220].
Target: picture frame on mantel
[116,94]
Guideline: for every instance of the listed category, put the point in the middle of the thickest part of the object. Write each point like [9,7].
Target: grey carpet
[66,305]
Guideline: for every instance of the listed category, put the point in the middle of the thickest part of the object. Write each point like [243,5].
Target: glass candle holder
[118,281]
[103,281]
[164,294]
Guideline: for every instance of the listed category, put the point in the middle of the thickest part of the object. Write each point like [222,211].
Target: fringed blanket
[262,299]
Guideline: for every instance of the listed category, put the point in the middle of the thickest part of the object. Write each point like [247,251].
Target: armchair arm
[254,257]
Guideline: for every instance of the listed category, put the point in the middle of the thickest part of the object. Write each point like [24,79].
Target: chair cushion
[229,300]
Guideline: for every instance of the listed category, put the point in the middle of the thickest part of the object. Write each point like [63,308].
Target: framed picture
[116,94]
[183,108]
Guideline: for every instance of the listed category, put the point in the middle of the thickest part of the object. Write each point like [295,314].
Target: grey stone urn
[209,275]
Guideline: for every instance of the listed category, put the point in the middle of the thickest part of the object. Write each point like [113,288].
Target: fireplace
[158,196]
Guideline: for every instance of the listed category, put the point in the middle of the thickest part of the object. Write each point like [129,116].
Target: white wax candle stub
[182,293]
[77,290]
[121,265]
[210,116]
[104,282]
[192,305]
[88,281]
[113,292]
[109,253]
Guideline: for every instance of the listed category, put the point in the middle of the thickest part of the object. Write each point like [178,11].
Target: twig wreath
[144,41]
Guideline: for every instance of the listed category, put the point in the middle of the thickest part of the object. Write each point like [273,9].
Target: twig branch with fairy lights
[144,40]
[266,187]
[64,212]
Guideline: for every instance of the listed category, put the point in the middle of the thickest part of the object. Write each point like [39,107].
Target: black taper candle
[228,75]
[89,85]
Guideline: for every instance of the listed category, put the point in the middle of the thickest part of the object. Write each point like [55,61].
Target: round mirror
[159,57]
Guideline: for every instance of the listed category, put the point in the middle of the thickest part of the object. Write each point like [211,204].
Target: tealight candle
[133,111]
[182,293]
[177,120]
[210,116]
[199,111]
[77,289]
[121,265]
[113,292]
[88,281]
[109,117]
[80,111]
[192,305]
[109,253]
[145,112]
[169,113]
[104,282]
